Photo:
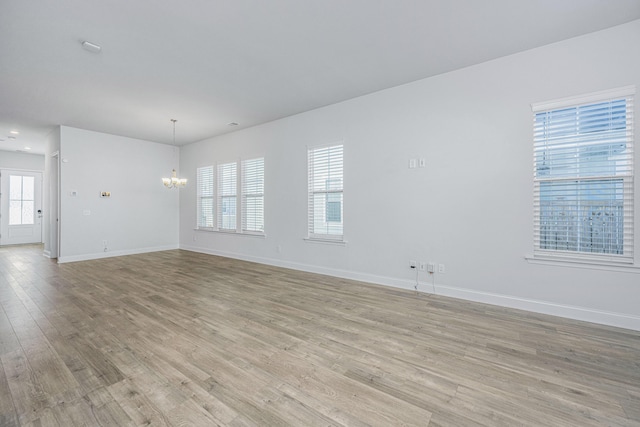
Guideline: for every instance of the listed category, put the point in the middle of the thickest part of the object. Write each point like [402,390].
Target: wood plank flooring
[178,338]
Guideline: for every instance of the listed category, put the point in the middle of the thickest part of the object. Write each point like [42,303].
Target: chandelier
[174,181]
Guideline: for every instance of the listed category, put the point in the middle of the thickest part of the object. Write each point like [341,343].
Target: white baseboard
[344,274]
[110,254]
[620,320]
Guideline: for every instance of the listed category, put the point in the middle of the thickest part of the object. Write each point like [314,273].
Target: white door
[20,207]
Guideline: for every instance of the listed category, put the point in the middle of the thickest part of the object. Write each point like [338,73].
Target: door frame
[54,206]
[4,172]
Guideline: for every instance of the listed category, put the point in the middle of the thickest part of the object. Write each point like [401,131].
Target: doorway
[20,207]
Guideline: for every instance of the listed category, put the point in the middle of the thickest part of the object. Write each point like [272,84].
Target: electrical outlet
[431,267]
[412,264]
[441,268]
[423,266]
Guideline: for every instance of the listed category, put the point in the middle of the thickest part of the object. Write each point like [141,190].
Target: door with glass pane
[20,207]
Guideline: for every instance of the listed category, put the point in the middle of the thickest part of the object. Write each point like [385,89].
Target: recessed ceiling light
[232,124]
[91,47]
[14,132]
[27,148]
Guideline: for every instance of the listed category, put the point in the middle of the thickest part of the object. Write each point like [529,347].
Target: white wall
[50,194]
[469,209]
[140,216]
[21,161]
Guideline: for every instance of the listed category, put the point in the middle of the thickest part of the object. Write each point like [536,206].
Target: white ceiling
[207,63]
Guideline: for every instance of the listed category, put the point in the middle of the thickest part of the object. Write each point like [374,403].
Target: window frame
[200,197]
[582,181]
[246,169]
[227,181]
[315,191]
[237,184]
[21,200]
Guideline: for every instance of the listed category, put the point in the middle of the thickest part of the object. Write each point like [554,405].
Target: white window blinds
[583,177]
[204,177]
[253,195]
[227,187]
[325,214]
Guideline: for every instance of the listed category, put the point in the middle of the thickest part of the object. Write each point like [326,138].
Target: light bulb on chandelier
[174,181]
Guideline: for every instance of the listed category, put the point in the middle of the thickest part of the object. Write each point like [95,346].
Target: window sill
[325,241]
[574,262]
[232,232]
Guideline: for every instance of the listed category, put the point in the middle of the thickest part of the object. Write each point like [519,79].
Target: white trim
[624,265]
[541,143]
[339,242]
[323,166]
[219,174]
[345,274]
[249,165]
[110,254]
[200,197]
[582,179]
[338,141]
[588,98]
[620,320]
[24,170]
[232,232]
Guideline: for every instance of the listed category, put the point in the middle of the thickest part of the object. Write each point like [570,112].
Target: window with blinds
[253,195]
[227,201]
[583,177]
[204,178]
[325,214]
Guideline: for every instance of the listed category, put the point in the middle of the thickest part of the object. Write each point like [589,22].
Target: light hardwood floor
[179,338]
